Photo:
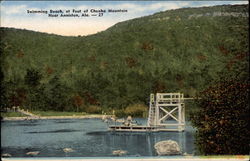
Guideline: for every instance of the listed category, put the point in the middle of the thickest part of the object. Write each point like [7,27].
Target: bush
[120,113]
[223,119]
[94,109]
[136,110]
[78,103]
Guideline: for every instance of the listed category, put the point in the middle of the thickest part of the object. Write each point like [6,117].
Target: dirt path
[27,113]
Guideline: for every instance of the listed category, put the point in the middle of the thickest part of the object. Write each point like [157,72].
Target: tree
[78,102]
[34,89]
[3,97]
[223,121]
[57,95]
[32,78]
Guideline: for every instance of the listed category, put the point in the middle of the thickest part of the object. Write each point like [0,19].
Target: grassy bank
[58,113]
[43,113]
[136,110]
[12,114]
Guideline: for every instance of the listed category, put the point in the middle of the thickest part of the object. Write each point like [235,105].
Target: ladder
[151,113]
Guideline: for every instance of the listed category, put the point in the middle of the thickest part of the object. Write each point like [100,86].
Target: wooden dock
[124,128]
[131,128]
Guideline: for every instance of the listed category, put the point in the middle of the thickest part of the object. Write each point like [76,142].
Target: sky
[14,14]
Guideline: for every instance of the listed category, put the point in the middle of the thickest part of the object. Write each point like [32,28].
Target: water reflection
[142,143]
[88,138]
[55,131]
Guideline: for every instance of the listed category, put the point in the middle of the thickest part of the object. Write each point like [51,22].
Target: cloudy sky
[14,14]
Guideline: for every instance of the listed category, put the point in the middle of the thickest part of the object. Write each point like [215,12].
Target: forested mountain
[181,50]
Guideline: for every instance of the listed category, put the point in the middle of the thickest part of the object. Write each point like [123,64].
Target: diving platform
[166,113]
[131,128]
[139,128]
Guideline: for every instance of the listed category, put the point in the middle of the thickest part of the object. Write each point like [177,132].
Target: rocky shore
[56,117]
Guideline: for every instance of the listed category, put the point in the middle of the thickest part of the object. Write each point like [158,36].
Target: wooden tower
[167,112]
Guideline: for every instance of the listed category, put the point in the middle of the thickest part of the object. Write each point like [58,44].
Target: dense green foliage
[12,114]
[93,109]
[57,113]
[223,119]
[134,110]
[173,51]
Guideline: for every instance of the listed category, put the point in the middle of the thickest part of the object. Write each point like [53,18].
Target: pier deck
[139,128]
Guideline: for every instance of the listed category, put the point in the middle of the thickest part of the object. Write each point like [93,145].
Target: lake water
[87,137]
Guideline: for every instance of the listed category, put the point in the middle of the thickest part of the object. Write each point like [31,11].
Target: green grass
[56,113]
[12,114]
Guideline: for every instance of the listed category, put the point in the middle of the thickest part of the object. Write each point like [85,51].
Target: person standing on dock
[129,120]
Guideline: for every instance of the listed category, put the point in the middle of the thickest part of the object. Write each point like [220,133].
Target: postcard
[130,80]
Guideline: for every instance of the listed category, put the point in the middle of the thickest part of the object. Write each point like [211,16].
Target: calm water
[87,137]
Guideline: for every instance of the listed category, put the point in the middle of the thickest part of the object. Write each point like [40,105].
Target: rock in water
[186,154]
[119,152]
[6,155]
[168,147]
[67,150]
[33,153]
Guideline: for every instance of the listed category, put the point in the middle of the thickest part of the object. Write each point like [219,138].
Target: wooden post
[157,110]
[179,117]
[183,115]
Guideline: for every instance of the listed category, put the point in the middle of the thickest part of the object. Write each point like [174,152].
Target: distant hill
[180,50]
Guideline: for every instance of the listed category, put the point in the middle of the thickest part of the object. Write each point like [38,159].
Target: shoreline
[56,117]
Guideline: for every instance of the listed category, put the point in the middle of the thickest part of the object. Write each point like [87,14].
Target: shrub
[136,110]
[223,119]
[78,102]
[94,109]
[120,113]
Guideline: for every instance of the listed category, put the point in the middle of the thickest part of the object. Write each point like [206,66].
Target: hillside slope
[179,50]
